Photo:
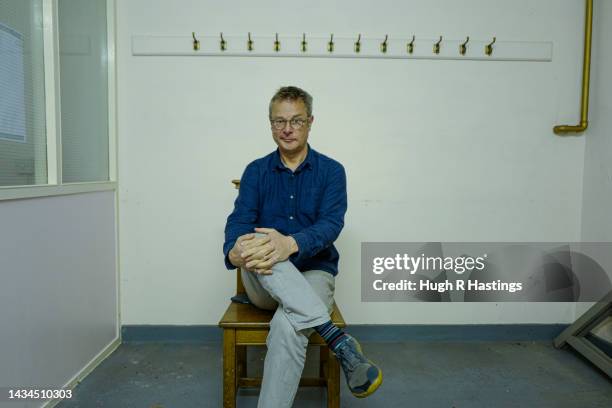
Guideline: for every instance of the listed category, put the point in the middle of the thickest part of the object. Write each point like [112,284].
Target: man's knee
[277,269]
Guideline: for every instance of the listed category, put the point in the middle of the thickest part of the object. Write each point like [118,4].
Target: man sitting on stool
[289,211]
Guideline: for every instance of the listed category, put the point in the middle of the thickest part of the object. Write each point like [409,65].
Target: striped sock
[332,335]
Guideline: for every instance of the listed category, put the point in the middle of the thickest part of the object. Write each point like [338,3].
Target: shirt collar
[277,163]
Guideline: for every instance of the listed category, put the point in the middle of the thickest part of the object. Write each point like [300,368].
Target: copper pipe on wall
[586,73]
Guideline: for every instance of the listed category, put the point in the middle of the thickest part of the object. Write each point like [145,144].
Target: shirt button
[291,217]
[291,196]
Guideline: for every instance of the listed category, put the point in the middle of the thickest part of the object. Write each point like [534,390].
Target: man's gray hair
[292,93]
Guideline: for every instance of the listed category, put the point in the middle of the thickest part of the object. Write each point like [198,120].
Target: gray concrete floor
[416,374]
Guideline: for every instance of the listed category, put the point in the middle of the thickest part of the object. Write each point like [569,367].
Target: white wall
[58,296]
[434,150]
[597,200]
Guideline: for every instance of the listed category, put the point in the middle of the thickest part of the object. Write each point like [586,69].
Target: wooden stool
[246,325]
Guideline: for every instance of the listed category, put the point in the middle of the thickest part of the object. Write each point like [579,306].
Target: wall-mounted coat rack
[332,46]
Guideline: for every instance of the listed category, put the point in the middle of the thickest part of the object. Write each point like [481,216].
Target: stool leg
[333,380]
[323,357]
[229,368]
[241,363]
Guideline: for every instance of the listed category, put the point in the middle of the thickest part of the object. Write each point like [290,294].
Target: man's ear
[310,119]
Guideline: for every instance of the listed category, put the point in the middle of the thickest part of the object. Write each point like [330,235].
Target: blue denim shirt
[308,204]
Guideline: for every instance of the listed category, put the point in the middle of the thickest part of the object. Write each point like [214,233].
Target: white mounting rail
[344,47]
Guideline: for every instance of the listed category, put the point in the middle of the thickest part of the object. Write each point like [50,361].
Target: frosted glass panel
[84,90]
[23,144]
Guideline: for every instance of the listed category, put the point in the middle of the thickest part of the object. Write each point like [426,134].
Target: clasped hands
[259,253]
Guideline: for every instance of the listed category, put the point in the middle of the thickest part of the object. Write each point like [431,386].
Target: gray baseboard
[364,332]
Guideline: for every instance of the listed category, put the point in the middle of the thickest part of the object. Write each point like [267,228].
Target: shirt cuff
[301,240]
[228,264]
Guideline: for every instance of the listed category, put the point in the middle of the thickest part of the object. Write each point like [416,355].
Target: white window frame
[54,184]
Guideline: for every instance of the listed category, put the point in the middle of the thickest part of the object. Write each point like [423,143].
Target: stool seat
[254,324]
[240,315]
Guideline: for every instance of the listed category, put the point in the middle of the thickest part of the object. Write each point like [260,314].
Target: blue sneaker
[363,377]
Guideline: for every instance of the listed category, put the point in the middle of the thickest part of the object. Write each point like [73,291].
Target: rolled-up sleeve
[330,221]
[243,218]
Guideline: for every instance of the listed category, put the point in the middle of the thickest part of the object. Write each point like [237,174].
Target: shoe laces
[349,358]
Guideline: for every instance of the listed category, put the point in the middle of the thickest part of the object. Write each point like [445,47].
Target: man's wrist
[293,246]
[234,258]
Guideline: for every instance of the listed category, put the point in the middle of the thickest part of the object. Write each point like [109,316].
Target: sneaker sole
[373,387]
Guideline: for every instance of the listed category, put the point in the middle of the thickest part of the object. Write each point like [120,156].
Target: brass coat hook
[383,45]
[410,46]
[222,43]
[196,42]
[463,47]
[250,43]
[303,42]
[276,44]
[436,47]
[489,47]
[330,44]
[358,44]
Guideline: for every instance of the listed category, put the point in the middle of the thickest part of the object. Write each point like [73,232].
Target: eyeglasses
[279,124]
